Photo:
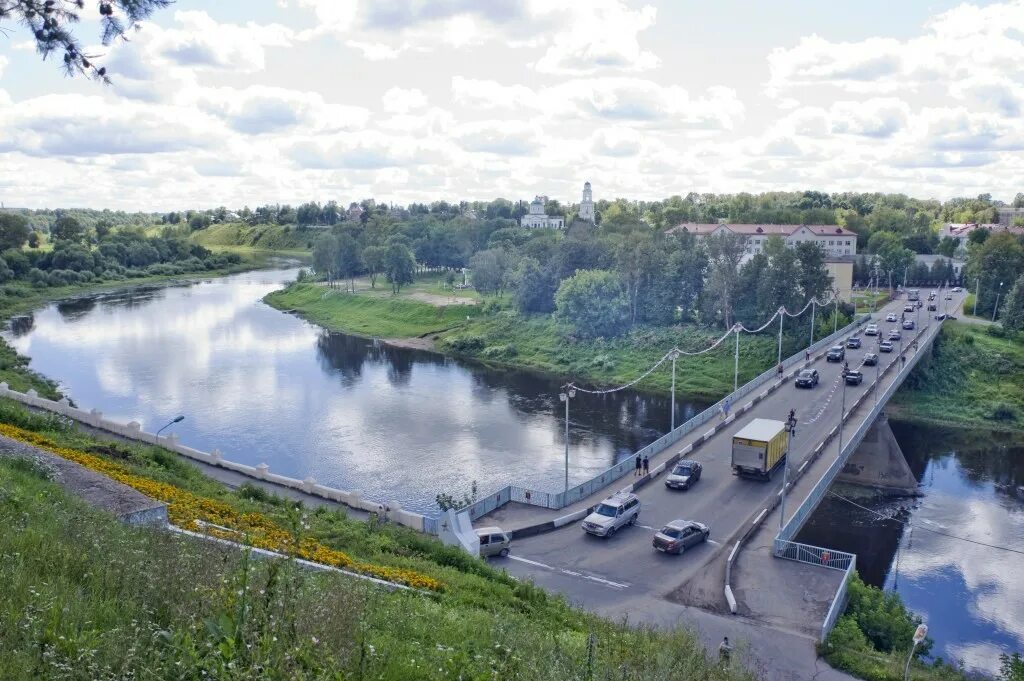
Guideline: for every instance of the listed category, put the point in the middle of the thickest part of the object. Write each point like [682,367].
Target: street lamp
[835,314]
[782,315]
[812,323]
[176,419]
[919,634]
[675,356]
[842,409]
[568,392]
[736,361]
[996,308]
[977,293]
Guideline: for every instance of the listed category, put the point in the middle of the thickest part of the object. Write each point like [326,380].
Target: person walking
[647,465]
[724,652]
[639,462]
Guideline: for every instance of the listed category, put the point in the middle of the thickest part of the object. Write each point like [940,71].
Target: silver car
[680,535]
[493,542]
[612,514]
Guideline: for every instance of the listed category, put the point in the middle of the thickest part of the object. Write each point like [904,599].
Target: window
[484,540]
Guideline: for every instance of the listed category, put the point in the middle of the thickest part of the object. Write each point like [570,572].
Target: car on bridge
[949,296]
[870,359]
[956,289]
[931,307]
[612,514]
[836,353]
[679,535]
[807,378]
[891,317]
[908,324]
[854,377]
[885,346]
[853,342]
[894,335]
[908,308]
[684,475]
[871,330]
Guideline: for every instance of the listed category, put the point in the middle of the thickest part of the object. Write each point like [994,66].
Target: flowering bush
[193,512]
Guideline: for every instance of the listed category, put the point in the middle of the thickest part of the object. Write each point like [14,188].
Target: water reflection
[968,593]
[262,386]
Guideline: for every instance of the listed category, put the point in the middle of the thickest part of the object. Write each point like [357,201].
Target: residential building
[930,260]
[834,240]
[1008,214]
[587,211]
[537,218]
[961,232]
[841,270]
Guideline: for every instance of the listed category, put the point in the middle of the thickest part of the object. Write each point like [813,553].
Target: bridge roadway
[623,577]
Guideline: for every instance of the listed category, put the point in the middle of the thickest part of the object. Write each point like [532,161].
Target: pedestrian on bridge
[639,462]
[647,465]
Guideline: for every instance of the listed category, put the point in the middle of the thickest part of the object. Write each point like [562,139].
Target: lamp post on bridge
[812,322]
[842,410]
[568,392]
[835,314]
[782,315]
[736,360]
[672,421]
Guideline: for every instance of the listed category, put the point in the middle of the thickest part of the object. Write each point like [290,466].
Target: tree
[48,22]
[1012,317]
[947,246]
[33,240]
[347,260]
[724,254]
[593,302]
[374,258]
[978,236]
[1011,667]
[399,265]
[325,251]
[487,271]
[14,231]
[535,287]
[67,228]
[1000,259]
[102,229]
[813,277]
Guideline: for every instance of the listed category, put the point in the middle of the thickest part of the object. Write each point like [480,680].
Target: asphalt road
[618,576]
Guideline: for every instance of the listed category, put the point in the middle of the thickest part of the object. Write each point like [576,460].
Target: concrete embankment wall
[133,431]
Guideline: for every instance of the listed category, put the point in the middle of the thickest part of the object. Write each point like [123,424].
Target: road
[624,577]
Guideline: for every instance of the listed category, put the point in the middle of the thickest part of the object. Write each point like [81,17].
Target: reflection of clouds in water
[992,578]
[977,656]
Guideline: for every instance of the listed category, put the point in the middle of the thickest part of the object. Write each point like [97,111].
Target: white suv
[871,330]
[614,512]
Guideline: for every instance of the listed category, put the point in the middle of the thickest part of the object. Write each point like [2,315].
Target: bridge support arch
[878,462]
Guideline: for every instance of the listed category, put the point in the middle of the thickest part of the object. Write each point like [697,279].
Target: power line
[927,529]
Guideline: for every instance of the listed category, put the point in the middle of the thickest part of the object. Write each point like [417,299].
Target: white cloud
[403,100]
[506,138]
[261,109]
[600,34]
[204,43]
[618,142]
[3,63]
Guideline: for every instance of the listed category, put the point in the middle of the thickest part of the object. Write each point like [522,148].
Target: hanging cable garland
[676,352]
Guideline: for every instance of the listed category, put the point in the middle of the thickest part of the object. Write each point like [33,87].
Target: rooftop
[702,229]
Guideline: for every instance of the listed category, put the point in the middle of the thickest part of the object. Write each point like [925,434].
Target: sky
[246,102]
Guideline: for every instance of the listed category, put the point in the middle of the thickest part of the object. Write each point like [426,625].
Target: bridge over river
[751,581]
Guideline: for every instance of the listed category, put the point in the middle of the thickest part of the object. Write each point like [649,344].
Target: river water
[265,386]
[969,594]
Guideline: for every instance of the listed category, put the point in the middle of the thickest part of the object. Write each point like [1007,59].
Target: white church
[537,218]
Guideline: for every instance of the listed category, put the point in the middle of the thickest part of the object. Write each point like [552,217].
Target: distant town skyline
[245,103]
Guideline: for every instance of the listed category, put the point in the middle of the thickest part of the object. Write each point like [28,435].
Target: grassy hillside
[236,236]
[86,597]
[974,378]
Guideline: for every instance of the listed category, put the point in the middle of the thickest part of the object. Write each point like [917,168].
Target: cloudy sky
[255,101]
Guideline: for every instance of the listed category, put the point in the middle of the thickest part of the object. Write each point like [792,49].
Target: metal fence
[839,602]
[814,555]
[557,500]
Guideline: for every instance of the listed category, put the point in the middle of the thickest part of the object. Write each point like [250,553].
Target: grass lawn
[974,378]
[88,597]
[377,314]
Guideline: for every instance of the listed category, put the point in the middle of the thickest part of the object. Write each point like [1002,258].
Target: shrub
[471,343]
[1004,412]
[499,351]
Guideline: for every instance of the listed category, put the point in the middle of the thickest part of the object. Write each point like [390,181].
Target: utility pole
[675,354]
[736,361]
[995,310]
[568,392]
[782,315]
[812,323]
[977,294]
[835,315]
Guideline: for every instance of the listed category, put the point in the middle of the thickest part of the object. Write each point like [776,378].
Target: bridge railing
[557,500]
[826,558]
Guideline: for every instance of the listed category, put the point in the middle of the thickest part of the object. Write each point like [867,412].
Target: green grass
[378,315]
[88,598]
[975,378]
[239,237]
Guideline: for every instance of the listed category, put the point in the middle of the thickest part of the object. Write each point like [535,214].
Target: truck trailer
[759,448]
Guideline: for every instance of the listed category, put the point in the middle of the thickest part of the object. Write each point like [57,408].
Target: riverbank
[214,608]
[975,378]
[495,334]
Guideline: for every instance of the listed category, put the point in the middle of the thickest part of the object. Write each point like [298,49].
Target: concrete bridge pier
[878,462]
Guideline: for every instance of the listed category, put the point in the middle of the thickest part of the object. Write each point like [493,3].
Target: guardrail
[558,500]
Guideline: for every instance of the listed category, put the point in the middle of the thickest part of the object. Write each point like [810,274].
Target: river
[969,594]
[265,386]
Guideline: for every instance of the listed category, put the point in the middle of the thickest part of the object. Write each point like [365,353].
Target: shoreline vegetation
[495,334]
[82,596]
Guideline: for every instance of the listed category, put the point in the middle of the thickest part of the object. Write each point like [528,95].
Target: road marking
[571,573]
[646,527]
[712,541]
